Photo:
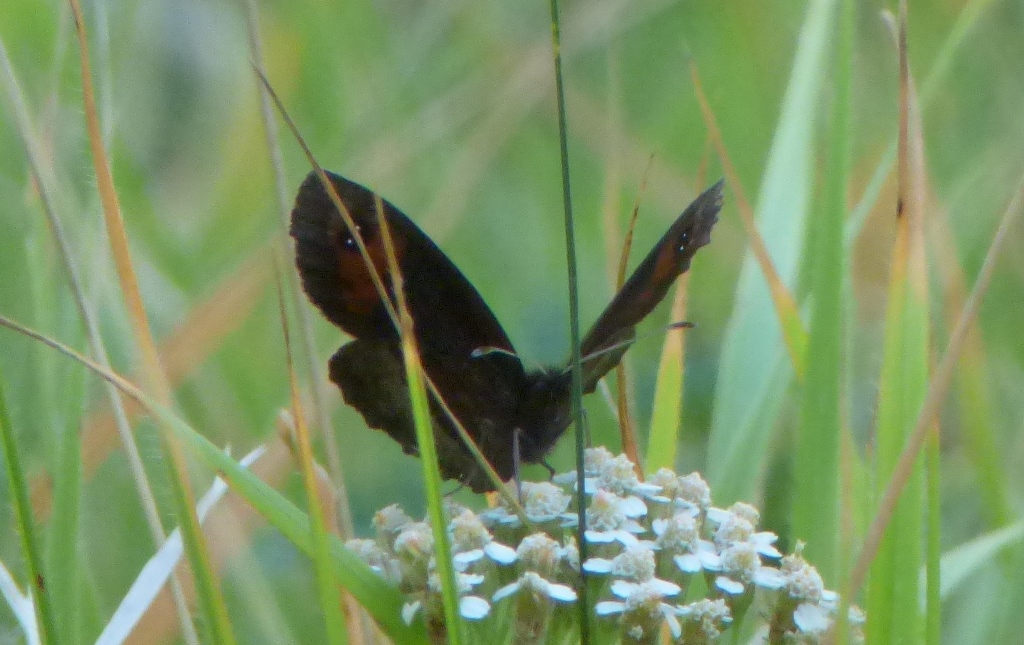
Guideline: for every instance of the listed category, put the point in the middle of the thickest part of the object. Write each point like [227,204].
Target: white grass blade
[22,606]
[755,369]
[155,574]
[968,558]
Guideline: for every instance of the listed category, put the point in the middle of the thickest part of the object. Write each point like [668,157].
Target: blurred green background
[446,108]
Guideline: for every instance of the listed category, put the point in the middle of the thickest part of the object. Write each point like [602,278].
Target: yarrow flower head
[679,537]
[741,565]
[636,563]
[642,609]
[542,554]
[378,559]
[610,518]
[738,524]
[704,620]
[648,542]
[471,607]
[389,522]
[471,541]
[803,582]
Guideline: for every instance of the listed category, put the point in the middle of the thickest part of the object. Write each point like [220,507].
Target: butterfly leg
[516,463]
[551,469]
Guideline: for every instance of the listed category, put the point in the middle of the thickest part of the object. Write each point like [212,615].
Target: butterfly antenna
[682,324]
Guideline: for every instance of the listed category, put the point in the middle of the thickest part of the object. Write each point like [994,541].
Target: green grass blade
[62,559]
[327,590]
[668,391]
[966,21]
[579,427]
[381,601]
[160,567]
[30,545]
[754,367]
[432,485]
[933,543]
[816,469]
[893,613]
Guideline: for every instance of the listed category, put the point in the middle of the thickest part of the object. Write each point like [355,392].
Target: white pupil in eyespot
[682,245]
[350,240]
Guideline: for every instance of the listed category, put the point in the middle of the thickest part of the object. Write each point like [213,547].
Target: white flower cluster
[650,545]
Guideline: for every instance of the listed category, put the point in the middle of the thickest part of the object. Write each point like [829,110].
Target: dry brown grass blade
[911,205]
[318,388]
[972,396]
[937,391]
[229,528]
[669,187]
[785,304]
[187,347]
[154,377]
[378,284]
[627,429]
[328,592]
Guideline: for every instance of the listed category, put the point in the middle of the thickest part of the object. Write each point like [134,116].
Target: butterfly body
[463,348]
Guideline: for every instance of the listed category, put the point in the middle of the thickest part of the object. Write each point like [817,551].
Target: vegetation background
[446,108]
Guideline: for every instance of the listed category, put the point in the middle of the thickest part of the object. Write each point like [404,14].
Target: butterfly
[514,415]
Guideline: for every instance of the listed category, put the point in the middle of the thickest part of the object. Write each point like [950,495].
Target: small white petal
[710,560]
[634,527]
[769,578]
[673,625]
[633,506]
[687,507]
[471,579]
[561,593]
[598,565]
[811,619]
[648,489]
[768,551]
[718,515]
[729,586]
[829,597]
[409,610]
[688,563]
[606,607]
[564,479]
[659,525]
[500,553]
[600,537]
[468,557]
[624,588]
[473,607]
[625,537]
[664,587]
[764,541]
[505,591]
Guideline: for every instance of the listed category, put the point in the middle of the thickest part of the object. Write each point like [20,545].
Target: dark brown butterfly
[463,348]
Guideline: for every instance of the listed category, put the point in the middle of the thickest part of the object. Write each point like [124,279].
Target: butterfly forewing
[450,318]
[648,285]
